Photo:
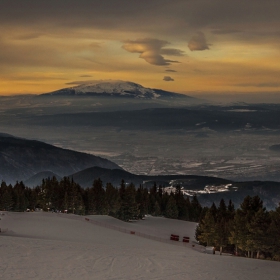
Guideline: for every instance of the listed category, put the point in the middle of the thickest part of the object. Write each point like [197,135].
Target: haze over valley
[173,134]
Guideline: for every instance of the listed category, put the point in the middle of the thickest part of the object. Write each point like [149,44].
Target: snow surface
[63,246]
[116,87]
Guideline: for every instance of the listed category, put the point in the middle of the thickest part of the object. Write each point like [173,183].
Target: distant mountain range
[21,158]
[227,118]
[31,161]
[117,89]
[219,188]
[268,191]
[114,176]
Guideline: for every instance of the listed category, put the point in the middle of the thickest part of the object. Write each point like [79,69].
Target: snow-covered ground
[51,246]
[115,87]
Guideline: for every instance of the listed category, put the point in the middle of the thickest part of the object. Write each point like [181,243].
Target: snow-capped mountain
[116,88]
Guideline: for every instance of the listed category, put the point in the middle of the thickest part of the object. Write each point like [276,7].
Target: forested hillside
[249,231]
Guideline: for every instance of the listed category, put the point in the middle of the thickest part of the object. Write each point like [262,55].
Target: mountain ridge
[22,158]
[115,88]
[220,188]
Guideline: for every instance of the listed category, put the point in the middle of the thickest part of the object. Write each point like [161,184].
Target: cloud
[29,36]
[78,82]
[85,76]
[84,37]
[222,31]
[198,42]
[172,52]
[168,79]
[152,50]
[154,17]
[96,46]
[259,85]
[170,70]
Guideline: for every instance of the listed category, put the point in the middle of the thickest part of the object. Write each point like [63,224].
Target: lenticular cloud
[198,42]
[152,50]
[168,79]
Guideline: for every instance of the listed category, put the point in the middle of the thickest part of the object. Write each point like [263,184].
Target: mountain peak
[116,88]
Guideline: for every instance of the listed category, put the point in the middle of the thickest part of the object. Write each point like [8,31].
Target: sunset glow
[181,46]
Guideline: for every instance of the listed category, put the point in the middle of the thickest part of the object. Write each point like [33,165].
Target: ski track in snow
[48,246]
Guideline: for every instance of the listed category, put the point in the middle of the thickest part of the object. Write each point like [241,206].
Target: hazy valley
[154,136]
[151,138]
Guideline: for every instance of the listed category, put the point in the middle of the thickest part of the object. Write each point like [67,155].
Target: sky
[185,46]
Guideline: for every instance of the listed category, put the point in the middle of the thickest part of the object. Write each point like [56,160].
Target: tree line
[125,202]
[249,231]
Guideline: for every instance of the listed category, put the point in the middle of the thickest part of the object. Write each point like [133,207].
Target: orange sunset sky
[185,46]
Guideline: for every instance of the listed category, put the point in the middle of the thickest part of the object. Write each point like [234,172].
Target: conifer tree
[195,209]
[273,234]
[65,204]
[113,199]
[20,201]
[222,225]
[183,211]
[6,198]
[171,208]
[258,229]
[206,229]
[129,208]
[122,189]
[99,198]
[157,209]
[241,232]
[142,201]
[164,201]
[6,201]
[152,199]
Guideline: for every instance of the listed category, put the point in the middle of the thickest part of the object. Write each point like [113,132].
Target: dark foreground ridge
[20,159]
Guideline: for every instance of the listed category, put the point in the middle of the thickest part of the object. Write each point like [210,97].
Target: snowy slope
[63,246]
[116,88]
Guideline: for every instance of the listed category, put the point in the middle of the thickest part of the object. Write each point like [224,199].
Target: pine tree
[142,201]
[6,201]
[129,207]
[222,226]
[164,201]
[99,198]
[65,202]
[195,209]
[122,189]
[112,199]
[258,229]
[152,199]
[206,229]
[171,208]
[273,234]
[157,209]
[6,197]
[241,232]
[20,200]
[183,210]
